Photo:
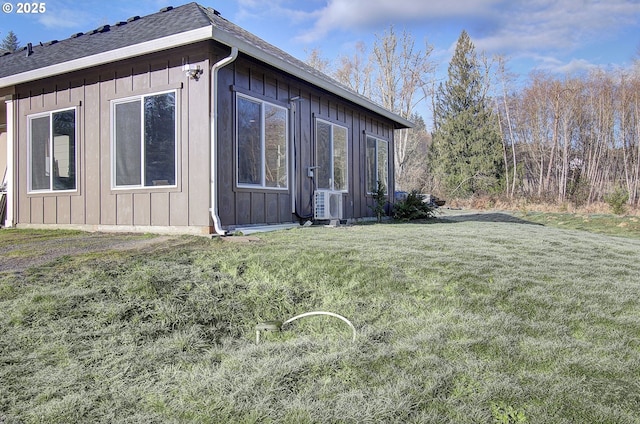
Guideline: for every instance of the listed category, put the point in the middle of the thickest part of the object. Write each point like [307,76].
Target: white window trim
[112,123]
[332,165]
[262,185]
[378,141]
[30,145]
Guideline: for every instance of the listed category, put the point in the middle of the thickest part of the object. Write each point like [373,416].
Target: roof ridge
[102,28]
[208,11]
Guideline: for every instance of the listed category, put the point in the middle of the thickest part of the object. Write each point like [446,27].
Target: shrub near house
[413,207]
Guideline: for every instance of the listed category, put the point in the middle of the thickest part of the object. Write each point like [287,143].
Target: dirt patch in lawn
[20,250]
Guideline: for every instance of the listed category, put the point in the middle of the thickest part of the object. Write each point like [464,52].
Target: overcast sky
[558,36]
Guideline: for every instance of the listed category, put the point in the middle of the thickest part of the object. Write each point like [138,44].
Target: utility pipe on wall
[214,139]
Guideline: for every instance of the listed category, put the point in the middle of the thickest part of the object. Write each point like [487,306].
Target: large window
[144,141]
[377,164]
[331,156]
[52,151]
[262,144]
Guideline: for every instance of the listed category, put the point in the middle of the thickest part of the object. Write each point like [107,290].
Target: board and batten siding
[95,204]
[240,206]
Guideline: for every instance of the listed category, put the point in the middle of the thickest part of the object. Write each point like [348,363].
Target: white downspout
[214,139]
[9,221]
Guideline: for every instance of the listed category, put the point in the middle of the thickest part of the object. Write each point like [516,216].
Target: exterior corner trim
[10,177]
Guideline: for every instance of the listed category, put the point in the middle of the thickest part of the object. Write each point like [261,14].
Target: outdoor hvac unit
[327,205]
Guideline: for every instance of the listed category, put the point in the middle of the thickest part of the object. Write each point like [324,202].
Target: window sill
[250,188]
[153,189]
[53,193]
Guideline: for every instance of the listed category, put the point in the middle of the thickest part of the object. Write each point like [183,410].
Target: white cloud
[358,14]
[556,66]
[575,66]
[258,9]
[65,14]
[551,35]
[495,25]
[562,25]
[64,18]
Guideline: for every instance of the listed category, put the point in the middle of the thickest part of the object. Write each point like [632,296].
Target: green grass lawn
[458,321]
[624,226]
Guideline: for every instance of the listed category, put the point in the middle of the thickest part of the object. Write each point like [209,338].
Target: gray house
[181,121]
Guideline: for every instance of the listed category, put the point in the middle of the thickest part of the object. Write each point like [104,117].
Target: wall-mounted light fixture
[192,72]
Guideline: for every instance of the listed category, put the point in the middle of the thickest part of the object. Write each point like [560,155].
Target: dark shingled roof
[109,37]
[171,21]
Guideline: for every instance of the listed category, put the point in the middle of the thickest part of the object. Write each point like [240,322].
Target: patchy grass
[623,226]
[11,238]
[458,321]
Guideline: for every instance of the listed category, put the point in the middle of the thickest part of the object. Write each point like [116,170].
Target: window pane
[371,165]
[383,164]
[249,142]
[160,140]
[128,150]
[275,140]
[340,158]
[40,155]
[323,155]
[64,150]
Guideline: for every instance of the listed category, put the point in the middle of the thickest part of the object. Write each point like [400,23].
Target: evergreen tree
[466,153]
[10,42]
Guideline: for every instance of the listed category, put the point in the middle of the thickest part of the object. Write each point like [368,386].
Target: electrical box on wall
[310,171]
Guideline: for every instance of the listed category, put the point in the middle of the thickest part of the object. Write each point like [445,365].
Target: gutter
[214,139]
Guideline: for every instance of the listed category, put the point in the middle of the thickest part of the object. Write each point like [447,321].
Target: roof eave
[253,51]
[188,37]
[152,46]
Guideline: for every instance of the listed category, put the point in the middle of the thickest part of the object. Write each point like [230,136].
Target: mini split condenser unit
[327,204]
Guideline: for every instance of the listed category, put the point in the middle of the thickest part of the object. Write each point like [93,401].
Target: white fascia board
[175,40]
[283,65]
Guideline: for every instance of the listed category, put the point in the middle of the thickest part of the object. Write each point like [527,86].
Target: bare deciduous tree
[356,71]
[509,139]
[404,73]
[316,61]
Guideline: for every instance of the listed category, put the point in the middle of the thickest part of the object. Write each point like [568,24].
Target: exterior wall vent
[327,204]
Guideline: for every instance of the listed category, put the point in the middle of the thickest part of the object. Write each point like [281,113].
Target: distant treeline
[564,138]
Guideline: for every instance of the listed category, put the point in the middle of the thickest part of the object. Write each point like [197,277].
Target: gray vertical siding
[242,206]
[95,203]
